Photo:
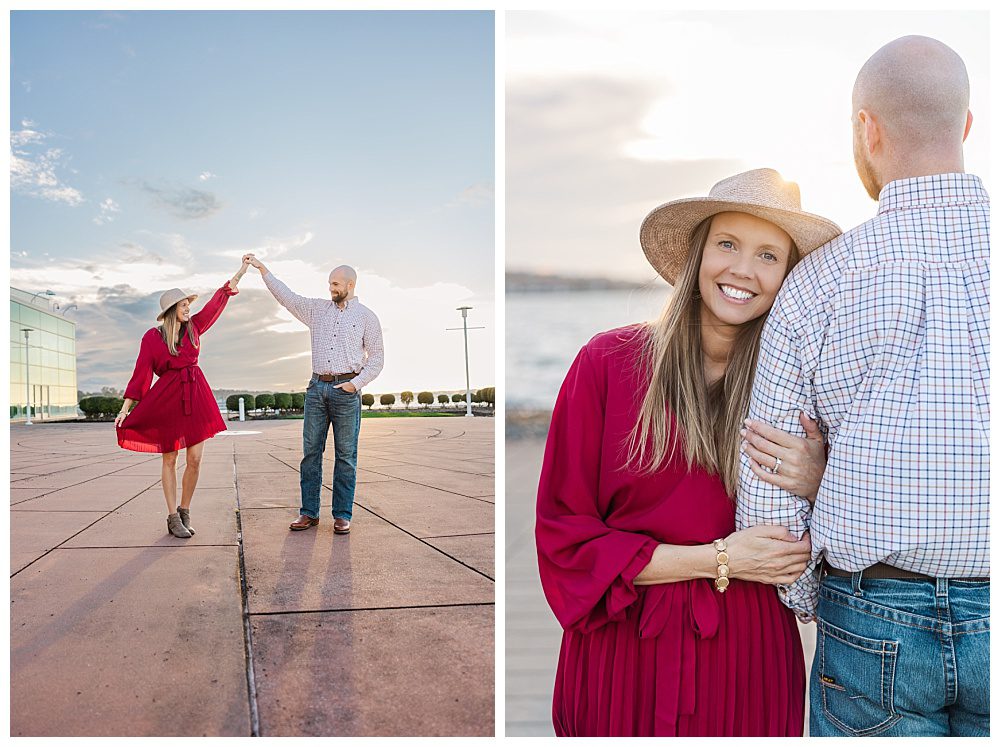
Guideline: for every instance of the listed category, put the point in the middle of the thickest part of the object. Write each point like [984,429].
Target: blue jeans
[901,658]
[326,404]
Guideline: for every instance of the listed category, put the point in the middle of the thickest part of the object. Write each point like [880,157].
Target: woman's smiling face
[183,310]
[742,267]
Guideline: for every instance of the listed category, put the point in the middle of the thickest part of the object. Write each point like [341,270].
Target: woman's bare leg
[168,477]
[191,471]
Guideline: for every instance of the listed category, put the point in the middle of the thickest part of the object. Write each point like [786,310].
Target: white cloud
[271,247]
[108,208]
[34,168]
[206,175]
[480,193]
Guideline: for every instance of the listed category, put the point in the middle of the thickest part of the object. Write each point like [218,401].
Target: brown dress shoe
[341,526]
[303,522]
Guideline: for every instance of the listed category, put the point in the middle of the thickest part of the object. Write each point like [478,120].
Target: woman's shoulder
[152,335]
[618,343]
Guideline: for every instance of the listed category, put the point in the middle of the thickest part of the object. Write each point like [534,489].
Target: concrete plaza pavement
[247,628]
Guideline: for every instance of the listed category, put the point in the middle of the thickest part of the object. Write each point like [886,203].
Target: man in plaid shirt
[883,336]
[347,354]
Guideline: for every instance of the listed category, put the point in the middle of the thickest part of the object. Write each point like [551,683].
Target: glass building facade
[47,363]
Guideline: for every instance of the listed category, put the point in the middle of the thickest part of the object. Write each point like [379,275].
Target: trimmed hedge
[368,400]
[443,399]
[282,401]
[298,400]
[96,407]
[388,400]
[425,398]
[233,402]
[264,401]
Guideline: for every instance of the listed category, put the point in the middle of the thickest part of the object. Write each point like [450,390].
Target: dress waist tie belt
[187,377]
[677,615]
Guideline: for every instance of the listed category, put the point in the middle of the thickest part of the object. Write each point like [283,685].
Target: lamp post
[465,330]
[41,293]
[27,375]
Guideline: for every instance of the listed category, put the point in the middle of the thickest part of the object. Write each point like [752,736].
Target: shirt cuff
[229,291]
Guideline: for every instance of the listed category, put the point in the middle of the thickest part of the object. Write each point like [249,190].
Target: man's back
[883,334]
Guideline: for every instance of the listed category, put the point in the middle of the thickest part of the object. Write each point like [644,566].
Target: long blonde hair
[172,330]
[679,408]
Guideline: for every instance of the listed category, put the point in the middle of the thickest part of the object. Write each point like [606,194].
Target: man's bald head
[919,87]
[346,272]
[910,112]
[342,282]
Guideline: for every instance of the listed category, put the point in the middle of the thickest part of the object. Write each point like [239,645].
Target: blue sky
[151,149]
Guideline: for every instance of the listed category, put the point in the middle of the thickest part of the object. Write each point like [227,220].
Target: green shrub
[298,400]
[458,398]
[248,402]
[282,401]
[443,399]
[388,400]
[91,407]
[425,398]
[264,401]
[368,400]
[406,398]
[13,411]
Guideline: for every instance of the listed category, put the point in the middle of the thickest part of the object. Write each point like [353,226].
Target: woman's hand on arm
[803,460]
[767,554]
[126,406]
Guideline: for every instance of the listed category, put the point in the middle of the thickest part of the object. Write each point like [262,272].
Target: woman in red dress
[664,634]
[178,411]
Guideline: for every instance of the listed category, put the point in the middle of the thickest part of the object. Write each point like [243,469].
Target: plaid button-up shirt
[883,334]
[343,340]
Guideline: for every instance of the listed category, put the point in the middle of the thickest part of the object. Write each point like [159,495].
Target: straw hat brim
[190,298]
[666,232]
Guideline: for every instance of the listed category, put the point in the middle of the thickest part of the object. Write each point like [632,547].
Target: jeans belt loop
[856,582]
[941,587]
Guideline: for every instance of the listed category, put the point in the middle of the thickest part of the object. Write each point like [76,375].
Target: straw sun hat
[172,296]
[666,232]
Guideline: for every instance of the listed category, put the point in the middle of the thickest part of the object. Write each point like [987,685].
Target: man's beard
[338,297]
[865,171]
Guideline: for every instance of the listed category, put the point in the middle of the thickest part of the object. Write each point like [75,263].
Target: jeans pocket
[857,676]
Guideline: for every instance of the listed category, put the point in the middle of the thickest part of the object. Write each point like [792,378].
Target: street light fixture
[27,375]
[41,293]
[465,330]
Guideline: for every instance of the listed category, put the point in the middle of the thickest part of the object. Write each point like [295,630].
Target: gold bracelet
[722,558]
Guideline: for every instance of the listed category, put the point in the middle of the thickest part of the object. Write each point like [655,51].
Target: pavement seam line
[420,539]
[435,487]
[245,603]
[59,546]
[375,609]
[77,484]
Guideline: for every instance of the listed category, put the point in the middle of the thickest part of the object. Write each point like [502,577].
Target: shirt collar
[937,189]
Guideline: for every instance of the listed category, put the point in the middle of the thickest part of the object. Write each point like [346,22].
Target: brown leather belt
[335,377]
[882,570]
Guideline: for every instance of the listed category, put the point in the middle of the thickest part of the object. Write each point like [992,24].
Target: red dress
[180,409]
[675,659]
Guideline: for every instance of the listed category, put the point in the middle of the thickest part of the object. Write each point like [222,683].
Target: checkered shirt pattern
[883,336]
[348,339]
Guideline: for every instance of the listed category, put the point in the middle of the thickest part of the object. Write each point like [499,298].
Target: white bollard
[242,411]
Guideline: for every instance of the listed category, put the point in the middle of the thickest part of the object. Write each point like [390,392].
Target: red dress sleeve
[213,309]
[142,376]
[587,568]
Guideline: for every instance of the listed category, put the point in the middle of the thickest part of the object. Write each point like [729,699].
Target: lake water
[545,331]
